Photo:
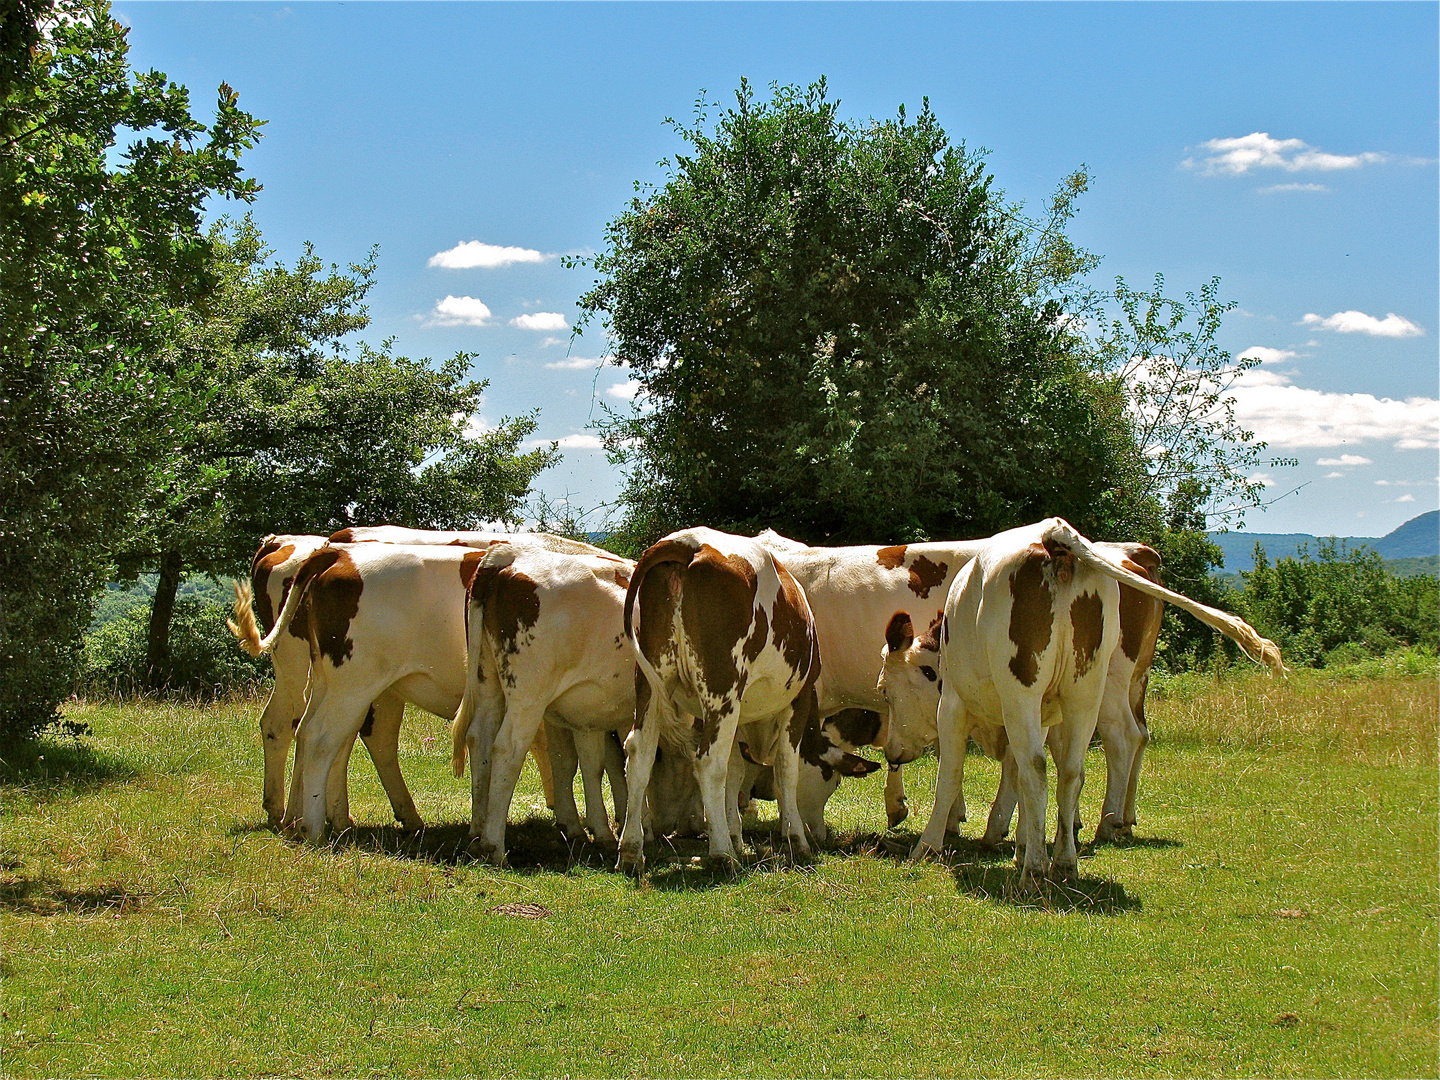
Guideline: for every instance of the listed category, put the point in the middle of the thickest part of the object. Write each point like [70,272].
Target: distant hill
[1416,539]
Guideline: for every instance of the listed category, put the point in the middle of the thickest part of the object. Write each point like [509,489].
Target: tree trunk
[157,649]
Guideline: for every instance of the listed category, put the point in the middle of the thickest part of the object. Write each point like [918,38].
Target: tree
[1177,381]
[844,331]
[99,254]
[303,434]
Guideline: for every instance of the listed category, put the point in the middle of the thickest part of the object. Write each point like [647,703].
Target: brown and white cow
[911,664]
[399,534]
[853,594]
[722,632]
[546,644]
[272,571]
[380,620]
[1026,641]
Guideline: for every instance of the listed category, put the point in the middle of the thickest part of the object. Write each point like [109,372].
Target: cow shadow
[50,769]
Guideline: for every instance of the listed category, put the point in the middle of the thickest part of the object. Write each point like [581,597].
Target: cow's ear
[900,633]
[855,765]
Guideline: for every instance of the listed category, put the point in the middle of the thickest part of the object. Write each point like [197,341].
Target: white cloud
[1235,157]
[541,320]
[1291,187]
[1286,415]
[460,311]
[549,341]
[625,391]
[1357,322]
[473,253]
[1267,356]
[1262,478]
[581,442]
[576,363]
[1406,498]
[1345,459]
[1334,476]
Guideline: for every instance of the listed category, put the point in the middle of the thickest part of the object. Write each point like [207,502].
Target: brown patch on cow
[793,630]
[458,543]
[656,596]
[1140,618]
[755,643]
[295,724]
[1148,558]
[945,628]
[334,600]
[622,579]
[266,559]
[1087,620]
[858,727]
[369,725]
[925,575]
[930,640]
[469,564]
[717,610]
[514,607]
[1030,615]
[891,558]
[343,536]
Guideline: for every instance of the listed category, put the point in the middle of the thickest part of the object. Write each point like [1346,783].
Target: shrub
[205,662]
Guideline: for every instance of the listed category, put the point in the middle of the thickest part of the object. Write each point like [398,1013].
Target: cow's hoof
[630,862]
[722,863]
[1064,873]
[412,825]
[923,850]
[1032,881]
[1105,833]
[897,816]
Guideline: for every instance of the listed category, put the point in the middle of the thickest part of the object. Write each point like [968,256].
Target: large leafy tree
[304,434]
[846,332]
[101,250]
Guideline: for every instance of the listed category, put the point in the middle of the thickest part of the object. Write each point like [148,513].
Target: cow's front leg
[997,825]
[564,760]
[787,781]
[896,808]
[615,773]
[327,731]
[590,747]
[952,728]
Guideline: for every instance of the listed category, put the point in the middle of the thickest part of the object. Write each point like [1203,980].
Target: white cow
[380,619]
[1025,642]
[546,644]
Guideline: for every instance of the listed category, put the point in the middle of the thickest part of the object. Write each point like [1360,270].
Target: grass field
[1277,915]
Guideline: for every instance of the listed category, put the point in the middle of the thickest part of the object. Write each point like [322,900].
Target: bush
[205,661]
[1339,607]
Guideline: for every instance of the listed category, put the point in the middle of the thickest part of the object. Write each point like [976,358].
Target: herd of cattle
[728,667]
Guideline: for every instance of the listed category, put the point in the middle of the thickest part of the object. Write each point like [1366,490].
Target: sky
[1288,149]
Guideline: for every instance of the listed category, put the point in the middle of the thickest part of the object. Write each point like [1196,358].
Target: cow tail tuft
[243,626]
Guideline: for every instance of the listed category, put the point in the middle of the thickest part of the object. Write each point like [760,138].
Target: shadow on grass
[41,896]
[49,769]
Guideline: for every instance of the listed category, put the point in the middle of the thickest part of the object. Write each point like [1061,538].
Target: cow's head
[910,680]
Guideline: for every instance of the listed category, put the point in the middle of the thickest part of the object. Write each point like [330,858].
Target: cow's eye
[928,672]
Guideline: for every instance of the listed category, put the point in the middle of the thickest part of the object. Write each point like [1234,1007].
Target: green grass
[1276,916]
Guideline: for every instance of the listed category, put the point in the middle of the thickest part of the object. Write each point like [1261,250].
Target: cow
[546,644]
[853,593]
[722,632]
[379,619]
[1025,643]
[272,571]
[399,534]
[910,666]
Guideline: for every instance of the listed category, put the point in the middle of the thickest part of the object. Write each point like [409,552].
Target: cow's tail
[1262,650]
[243,625]
[316,564]
[480,665]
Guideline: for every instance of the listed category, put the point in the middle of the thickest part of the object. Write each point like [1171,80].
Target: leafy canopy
[844,331]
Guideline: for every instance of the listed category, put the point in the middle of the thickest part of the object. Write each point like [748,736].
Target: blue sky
[1289,149]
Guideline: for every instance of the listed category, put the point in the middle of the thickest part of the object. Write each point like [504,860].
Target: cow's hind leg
[615,773]
[640,746]
[590,748]
[1027,745]
[564,761]
[507,758]
[712,768]
[1121,737]
[953,728]
[331,722]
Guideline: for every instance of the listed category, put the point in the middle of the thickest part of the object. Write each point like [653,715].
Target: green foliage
[304,434]
[845,332]
[100,250]
[1340,606]
[204,662]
